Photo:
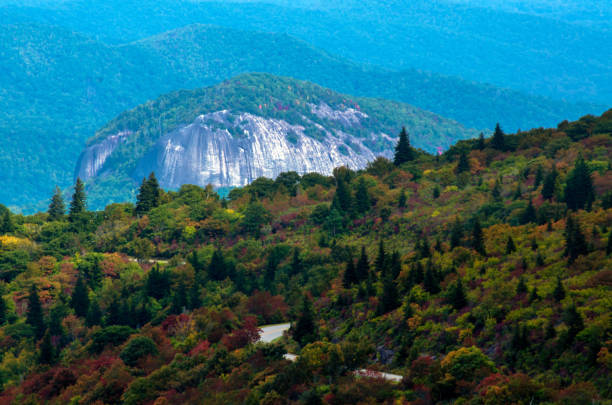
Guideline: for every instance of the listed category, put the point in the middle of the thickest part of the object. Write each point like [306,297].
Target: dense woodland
[481,275]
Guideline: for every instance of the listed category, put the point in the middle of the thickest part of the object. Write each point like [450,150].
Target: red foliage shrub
[268,307]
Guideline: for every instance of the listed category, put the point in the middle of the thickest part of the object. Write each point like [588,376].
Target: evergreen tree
[363,266]
[194,300]
[47,350]
[217,269]
[456,234]
[529,215]
[518,192]
[296,263]
[94,315]
[480,144]
[78,204]
[436,192]
[149,195]
[510,246]
[575,241]
[396,265]
[350,274]
[609,247]
[343,200]
[389,297]
[401,202]
[534,295]
[478,238]
[430,282]
[158,283]
[362,197]
[499,139]
[80,298]
[7,225]
[496,191]
[57,208]
[521,287]
[457,296]
[539,176]
[34,317]
[573,320]
[550,184]
[305,328]
[464,163]
[559,291]
[381,260]
[403,151]
[579,191]
[179,298]
[2,311]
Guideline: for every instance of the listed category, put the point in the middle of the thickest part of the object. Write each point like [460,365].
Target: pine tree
[363,266]
[194,300]
[518,192]
[343,200]
[158,283]
[529,215]
[362,197]
[510,246]
[57,208]
[559,291]
[534,295]
[389,297]
[436,192]
[396,264]
[430,282]
[573,320]
[179,298]
[305,328]
[7,225]
[457,296]
[401,202]
[296,263]
[381,260]
[350,274]
[47,350]
[78,204]
[456,234]
[575,241]
[34,317]
[149,195]
[550,184]
[80,298]
[539,176]
[579,191]
[480,144]
[478,238]
[403,151]
[217,270]
[521,287]
[94,315]
[496,191]
[464,163]
[499,139]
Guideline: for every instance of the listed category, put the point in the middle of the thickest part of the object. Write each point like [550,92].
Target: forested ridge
[481,275]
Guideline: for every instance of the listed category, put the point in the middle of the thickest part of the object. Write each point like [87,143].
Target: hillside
[476,43]
[479,276]
[255,125]
[59,87]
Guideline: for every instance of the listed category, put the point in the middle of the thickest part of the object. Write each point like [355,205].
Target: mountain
[57,87]
[530,53]
[255,125]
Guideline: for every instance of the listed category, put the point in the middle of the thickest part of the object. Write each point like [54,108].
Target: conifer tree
[478,238]
[510,246]
[579,191]
[521,287]
[179,298]
[2,310]
[94,315]
[573,320]
[463,165]
[34,316]
[401,202]
[496,191]
[550,184]
[78,204]
[575,241]
[456,234]
[194,300]
[296,262]
[148,196]
[362,197]
[80,298]
[559,291]
[389,297]
[350,274]
[529,215]
[363,266]
[480,144]
[343,200]
[457,295]
[47,350]
[396,264]
[499,139]
[57,208]
[381,260]
[217,270]
[534,295]
[305,328]
[430,282]
[7,225]
[609,246]
[539,176]
[403,151]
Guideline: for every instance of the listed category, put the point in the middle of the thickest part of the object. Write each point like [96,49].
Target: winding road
[270,333]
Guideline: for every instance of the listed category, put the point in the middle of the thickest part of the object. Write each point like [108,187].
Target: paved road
[270,333]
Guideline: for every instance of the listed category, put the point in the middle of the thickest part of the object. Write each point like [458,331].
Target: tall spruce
[57,208]
[350,274]
[362,197]
[498,141]
[510,246]
[80,298]
[389,297]
[381,260]
[305,329]
[78,204]
[480,143]
[47,354]
[149,195]
[343,200]
[403,151]
[529,215]
[550,184]
[34,317]
[463,165]
[217,269]
[401,201]
[559,291]
[456,234]
[6,224]
[579,191]
[575,241]
[496,191]
[363,266]
[478,238]
[457,296]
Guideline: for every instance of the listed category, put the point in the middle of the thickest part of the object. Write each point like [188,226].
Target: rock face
[227,149]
